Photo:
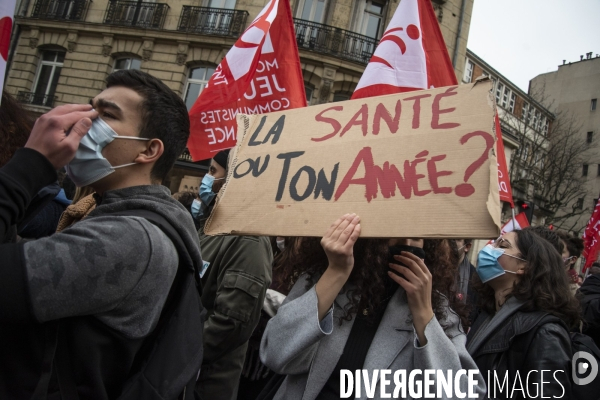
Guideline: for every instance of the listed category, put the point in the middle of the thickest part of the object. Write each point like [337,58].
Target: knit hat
[221,158]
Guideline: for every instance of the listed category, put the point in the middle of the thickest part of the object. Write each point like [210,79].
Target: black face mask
[396,250]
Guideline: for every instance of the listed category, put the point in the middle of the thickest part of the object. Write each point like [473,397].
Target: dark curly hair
[543,286]
[15,125]
[369,275]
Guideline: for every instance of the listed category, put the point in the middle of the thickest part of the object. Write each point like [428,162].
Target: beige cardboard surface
[417,164]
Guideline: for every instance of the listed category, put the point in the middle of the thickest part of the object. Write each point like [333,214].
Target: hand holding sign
[338,244]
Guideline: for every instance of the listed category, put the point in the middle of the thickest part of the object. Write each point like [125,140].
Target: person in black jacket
[522,285]
[590,304]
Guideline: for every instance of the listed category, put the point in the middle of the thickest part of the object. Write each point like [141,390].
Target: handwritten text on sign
[417,164]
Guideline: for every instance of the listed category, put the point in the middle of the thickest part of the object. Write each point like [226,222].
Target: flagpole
[512,208]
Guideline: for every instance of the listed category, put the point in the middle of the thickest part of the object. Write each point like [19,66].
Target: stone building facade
[64,49]
[574,89]
[525,124]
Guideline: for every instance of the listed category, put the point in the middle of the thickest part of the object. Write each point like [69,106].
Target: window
[579,204]
[371,20]
[525,153]
[546,125]
[511,105]
[535,122]
[499,90]
[524,112]
[341,97]
[598,173]
[127,63]
[197,80]
[230,4]
[593,105]
[309,93]
[47,78]
[590,137]
[505,97]
[584,171]
[468,72]
[312,10]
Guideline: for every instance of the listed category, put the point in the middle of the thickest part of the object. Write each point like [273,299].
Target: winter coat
[236,274]
[307,350]
[97,288]
[521,348]
[591,307]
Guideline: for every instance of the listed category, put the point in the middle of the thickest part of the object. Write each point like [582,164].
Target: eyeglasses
[500,241]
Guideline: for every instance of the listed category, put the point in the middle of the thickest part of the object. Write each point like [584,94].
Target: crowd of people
[110,289]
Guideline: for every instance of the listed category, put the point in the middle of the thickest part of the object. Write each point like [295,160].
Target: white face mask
[89,165]
[281,244]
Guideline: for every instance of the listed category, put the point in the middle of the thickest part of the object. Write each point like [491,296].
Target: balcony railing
[73,10]
[136,13]
[334,41]
[212,21]
[36,99]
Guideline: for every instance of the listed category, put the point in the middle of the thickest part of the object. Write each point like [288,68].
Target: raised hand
[339,241]
[338,244]
[416,281]
[49,134]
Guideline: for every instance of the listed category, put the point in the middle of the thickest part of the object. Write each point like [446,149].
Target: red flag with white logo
[260,74]
[7,9]
[411,54]
[591,238]
[520,222]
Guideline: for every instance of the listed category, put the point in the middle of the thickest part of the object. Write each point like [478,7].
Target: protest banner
[417,164]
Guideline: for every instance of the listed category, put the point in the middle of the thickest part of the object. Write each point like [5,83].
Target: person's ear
[468,247]
[154,150]
[521,271]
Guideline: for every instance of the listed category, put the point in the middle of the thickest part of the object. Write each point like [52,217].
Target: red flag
[7,9]
[260,74]
[521,222]
[503,178]
[411,54]
[591,238]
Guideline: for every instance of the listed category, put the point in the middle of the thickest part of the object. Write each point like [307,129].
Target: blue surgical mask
[89,165]
[206,194]
[488,267]
[196,208]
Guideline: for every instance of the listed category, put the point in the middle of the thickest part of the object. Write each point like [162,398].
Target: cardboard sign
[417,164]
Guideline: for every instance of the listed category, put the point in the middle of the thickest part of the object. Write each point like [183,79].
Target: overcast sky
[524,38]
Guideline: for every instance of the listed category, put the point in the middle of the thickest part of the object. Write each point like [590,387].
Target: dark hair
[574,244]
[164,115]
[15,126]
[544,286]
[549,235]
[595,269]
[369,274]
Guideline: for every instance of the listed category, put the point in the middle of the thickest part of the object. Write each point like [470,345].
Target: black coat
[591,307]
[525,343]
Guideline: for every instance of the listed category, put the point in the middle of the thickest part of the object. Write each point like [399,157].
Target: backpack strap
[590,298]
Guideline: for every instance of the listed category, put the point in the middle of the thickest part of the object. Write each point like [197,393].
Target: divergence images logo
[583,367]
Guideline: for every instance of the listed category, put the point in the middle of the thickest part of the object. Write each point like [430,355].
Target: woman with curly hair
[527,311]
[351,309]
